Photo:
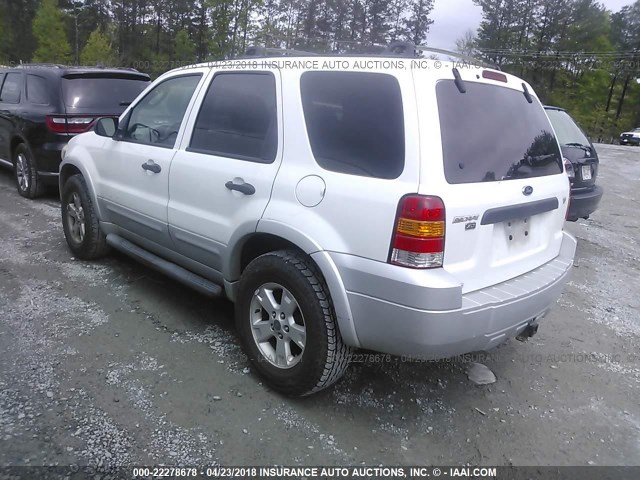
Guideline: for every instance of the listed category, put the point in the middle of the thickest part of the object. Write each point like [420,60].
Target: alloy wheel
[22,172]
[75,218]
[278,325]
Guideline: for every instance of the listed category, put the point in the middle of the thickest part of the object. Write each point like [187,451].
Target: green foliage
[49,31]
[98,51]
[575,53]
[185,51]
[3,37]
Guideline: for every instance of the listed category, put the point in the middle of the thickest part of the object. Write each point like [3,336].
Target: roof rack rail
[409,49]
[256,51]
[48,65]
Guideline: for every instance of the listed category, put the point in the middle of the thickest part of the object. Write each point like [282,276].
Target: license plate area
[517,232]
[586,172]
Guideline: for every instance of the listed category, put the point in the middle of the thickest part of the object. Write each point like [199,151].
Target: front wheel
[80,221]
[287,324]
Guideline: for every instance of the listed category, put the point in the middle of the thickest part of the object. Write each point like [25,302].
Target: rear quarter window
[355,122]
[492,133]
[37,90]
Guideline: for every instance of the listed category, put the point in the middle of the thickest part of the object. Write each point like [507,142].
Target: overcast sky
[452,18]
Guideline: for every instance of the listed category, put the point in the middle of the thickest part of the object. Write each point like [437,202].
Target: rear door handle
[151,166]
[245,188]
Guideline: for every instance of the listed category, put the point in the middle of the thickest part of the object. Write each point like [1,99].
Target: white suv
[352,202]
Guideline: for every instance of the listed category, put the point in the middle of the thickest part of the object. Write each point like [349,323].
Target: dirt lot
[110,363]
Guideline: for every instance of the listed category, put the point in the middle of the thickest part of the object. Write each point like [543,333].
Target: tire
[276,278]
[80,222]
[26,173]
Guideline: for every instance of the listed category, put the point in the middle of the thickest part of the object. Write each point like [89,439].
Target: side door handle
[151,166]
[245,188]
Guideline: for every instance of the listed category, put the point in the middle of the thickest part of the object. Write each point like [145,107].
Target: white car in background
[630,138]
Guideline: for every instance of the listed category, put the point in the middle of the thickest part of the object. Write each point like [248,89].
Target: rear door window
[11,88]
[355,122]
[238,118]
[37,90]
[101,93]
[491,133]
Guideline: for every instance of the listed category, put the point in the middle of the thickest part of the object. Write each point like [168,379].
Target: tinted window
[566,129]
[156,119]
[238,118]
[102,94]
[492,133]
[37,90]
[11,88]
[355,122]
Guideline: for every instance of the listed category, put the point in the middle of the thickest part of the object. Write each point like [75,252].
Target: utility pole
[75,16]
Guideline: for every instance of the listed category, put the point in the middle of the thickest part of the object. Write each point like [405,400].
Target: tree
[98,50]
[3,36]
[466,44]
[51,38]
[185,50]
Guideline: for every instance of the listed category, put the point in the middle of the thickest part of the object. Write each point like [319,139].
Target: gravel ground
[110,363]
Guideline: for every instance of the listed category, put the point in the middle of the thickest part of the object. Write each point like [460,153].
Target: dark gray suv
[43,106]
[581,163]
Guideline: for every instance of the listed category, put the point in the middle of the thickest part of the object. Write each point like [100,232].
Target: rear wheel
[80,221]
[27,181]
[287,324]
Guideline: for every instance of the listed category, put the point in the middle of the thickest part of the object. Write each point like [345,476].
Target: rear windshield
[492,133]
[101,93]
[566,129]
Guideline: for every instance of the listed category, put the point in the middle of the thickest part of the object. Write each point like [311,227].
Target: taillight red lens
[69,124]
[418,239]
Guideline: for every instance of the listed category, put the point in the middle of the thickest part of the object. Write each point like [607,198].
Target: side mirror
[106,126]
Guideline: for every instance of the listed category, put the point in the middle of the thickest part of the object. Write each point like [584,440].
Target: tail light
[69,124]
[571,173]
[418,239]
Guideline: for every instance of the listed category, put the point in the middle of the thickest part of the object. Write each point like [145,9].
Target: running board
[172,270]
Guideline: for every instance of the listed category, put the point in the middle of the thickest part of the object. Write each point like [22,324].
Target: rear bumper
[584,204]
[48,158]
[482,320]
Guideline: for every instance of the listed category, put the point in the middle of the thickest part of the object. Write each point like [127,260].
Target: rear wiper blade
[575,144]
[579,145]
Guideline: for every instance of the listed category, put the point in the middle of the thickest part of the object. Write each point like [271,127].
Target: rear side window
[355,122]
[568,132]
[11,88]
[37,90]
[238,118]
[491,133]
[102,94]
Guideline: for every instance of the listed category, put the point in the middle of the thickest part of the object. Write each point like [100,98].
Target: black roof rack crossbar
[256,51]
[397,48]
[408,49]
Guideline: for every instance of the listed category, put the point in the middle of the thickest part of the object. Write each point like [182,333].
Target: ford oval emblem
[528,190]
